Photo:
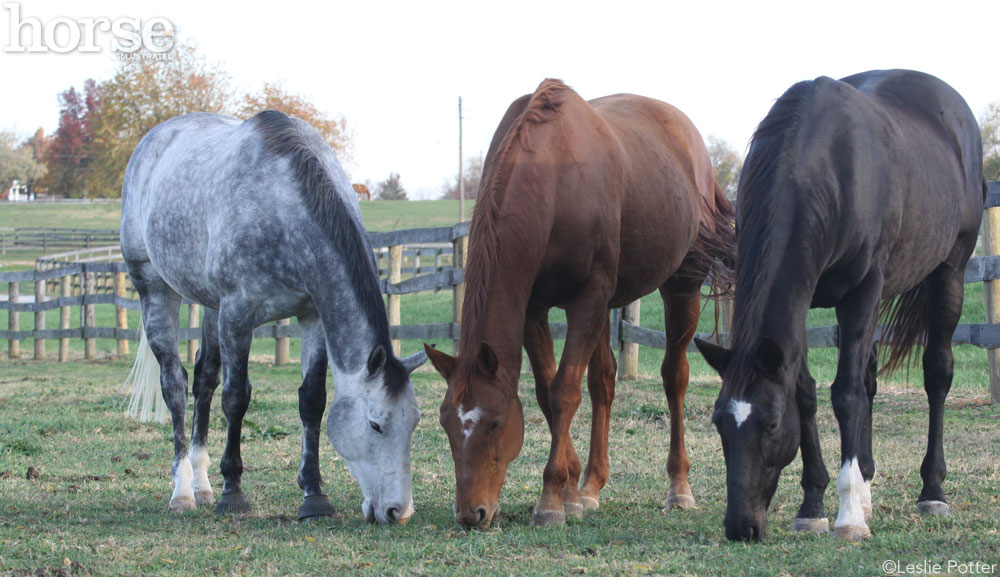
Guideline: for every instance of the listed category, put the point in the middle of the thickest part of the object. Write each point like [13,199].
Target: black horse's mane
[284,136]
[769,147]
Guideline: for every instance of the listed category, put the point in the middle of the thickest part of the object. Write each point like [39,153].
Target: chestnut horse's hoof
[572,509]
[933,508]
[232,504]
[541,518]
[852,533]
[316,506]
[204,497]
[680,502]
[811,525]
[181,504]
[590,503]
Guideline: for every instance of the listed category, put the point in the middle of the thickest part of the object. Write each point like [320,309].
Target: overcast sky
[395,70]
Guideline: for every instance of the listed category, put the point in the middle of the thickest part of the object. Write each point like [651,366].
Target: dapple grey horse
[256,221]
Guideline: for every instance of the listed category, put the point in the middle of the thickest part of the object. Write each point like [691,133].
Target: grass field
[98,505]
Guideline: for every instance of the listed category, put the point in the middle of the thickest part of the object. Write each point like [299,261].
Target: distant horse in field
[583,206]
[362,192]
[256,221]
[855,192]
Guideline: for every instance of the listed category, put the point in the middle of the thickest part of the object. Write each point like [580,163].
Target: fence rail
[434,260]
[50,238]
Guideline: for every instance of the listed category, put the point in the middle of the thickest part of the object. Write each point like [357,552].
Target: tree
[728,164]
[391,188]
[473,174]
[273,97]
[142,94]
[67,156]
[989,127]
[17,162]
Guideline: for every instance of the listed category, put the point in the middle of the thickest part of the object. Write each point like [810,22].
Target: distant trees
[473,174]
[391,188]
[17,162]
[100,126]
[989,128]
[728,164]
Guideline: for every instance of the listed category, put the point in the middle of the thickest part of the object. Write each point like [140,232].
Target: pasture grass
[98,505]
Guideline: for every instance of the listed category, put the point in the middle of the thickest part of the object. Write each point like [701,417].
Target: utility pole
[461,176]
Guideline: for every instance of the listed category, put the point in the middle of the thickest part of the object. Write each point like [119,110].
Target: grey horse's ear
[413,361]
[376,360]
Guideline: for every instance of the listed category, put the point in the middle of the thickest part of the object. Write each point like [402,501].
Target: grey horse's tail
[143,383]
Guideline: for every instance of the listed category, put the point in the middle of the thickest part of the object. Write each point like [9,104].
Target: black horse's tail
[905,325]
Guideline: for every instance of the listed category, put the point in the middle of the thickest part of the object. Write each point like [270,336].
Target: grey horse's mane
[283,136]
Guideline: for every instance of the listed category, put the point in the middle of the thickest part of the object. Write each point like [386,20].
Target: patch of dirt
[32,474]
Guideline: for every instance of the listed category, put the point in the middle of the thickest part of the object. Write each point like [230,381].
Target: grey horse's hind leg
[235,337]
[312,403]
[206,380]
[160,316]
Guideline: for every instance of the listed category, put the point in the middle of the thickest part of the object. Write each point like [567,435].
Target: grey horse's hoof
[933,508]
[232,504]
[852,533]
[204,497]
[543,518]
[811,525]
[316,506]
[181,504]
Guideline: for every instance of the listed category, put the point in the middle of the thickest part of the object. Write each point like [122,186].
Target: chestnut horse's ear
[443,362]
[770,357]
[716,356]
[488,363]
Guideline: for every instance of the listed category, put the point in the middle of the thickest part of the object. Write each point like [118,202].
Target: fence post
[13,321]
[991,240]
[460,248]
[395,275]
[89,342]
[194,322]
[64,312]
[121,313]
[39,320]
[281,345]
[628,358]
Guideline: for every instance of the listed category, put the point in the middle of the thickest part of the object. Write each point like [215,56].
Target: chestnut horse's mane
[484,237]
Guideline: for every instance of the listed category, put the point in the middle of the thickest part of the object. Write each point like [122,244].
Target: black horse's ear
[376,360]
[770,357]
[716,356]
[487,361]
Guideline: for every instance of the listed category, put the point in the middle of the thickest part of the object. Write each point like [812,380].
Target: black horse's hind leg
[312,403]
[235,337]
[866,459]
[815,478]
[206,380]
[857,315]
[160,317]
[945,290]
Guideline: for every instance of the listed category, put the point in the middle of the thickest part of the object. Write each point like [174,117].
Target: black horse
[855,192]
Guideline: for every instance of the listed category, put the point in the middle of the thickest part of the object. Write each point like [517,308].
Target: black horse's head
[758,419]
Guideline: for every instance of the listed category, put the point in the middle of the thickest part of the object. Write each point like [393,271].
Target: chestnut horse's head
[483,418]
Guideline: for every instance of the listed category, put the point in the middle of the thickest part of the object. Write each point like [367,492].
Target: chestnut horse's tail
[905,325]
[717,244]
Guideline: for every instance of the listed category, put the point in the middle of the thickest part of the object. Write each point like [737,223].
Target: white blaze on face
[740,411]
[851,489]
[469,420]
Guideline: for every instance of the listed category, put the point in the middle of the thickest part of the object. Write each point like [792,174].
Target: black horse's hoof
[316,506]
[232,504]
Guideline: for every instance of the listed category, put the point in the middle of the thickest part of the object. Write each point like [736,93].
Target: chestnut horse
[583,206]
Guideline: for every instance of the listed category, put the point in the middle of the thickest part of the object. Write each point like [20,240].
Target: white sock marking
[740,411]
[198,457]
[182,480]
[851,488]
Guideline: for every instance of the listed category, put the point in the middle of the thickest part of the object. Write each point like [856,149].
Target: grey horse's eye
[375,426]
